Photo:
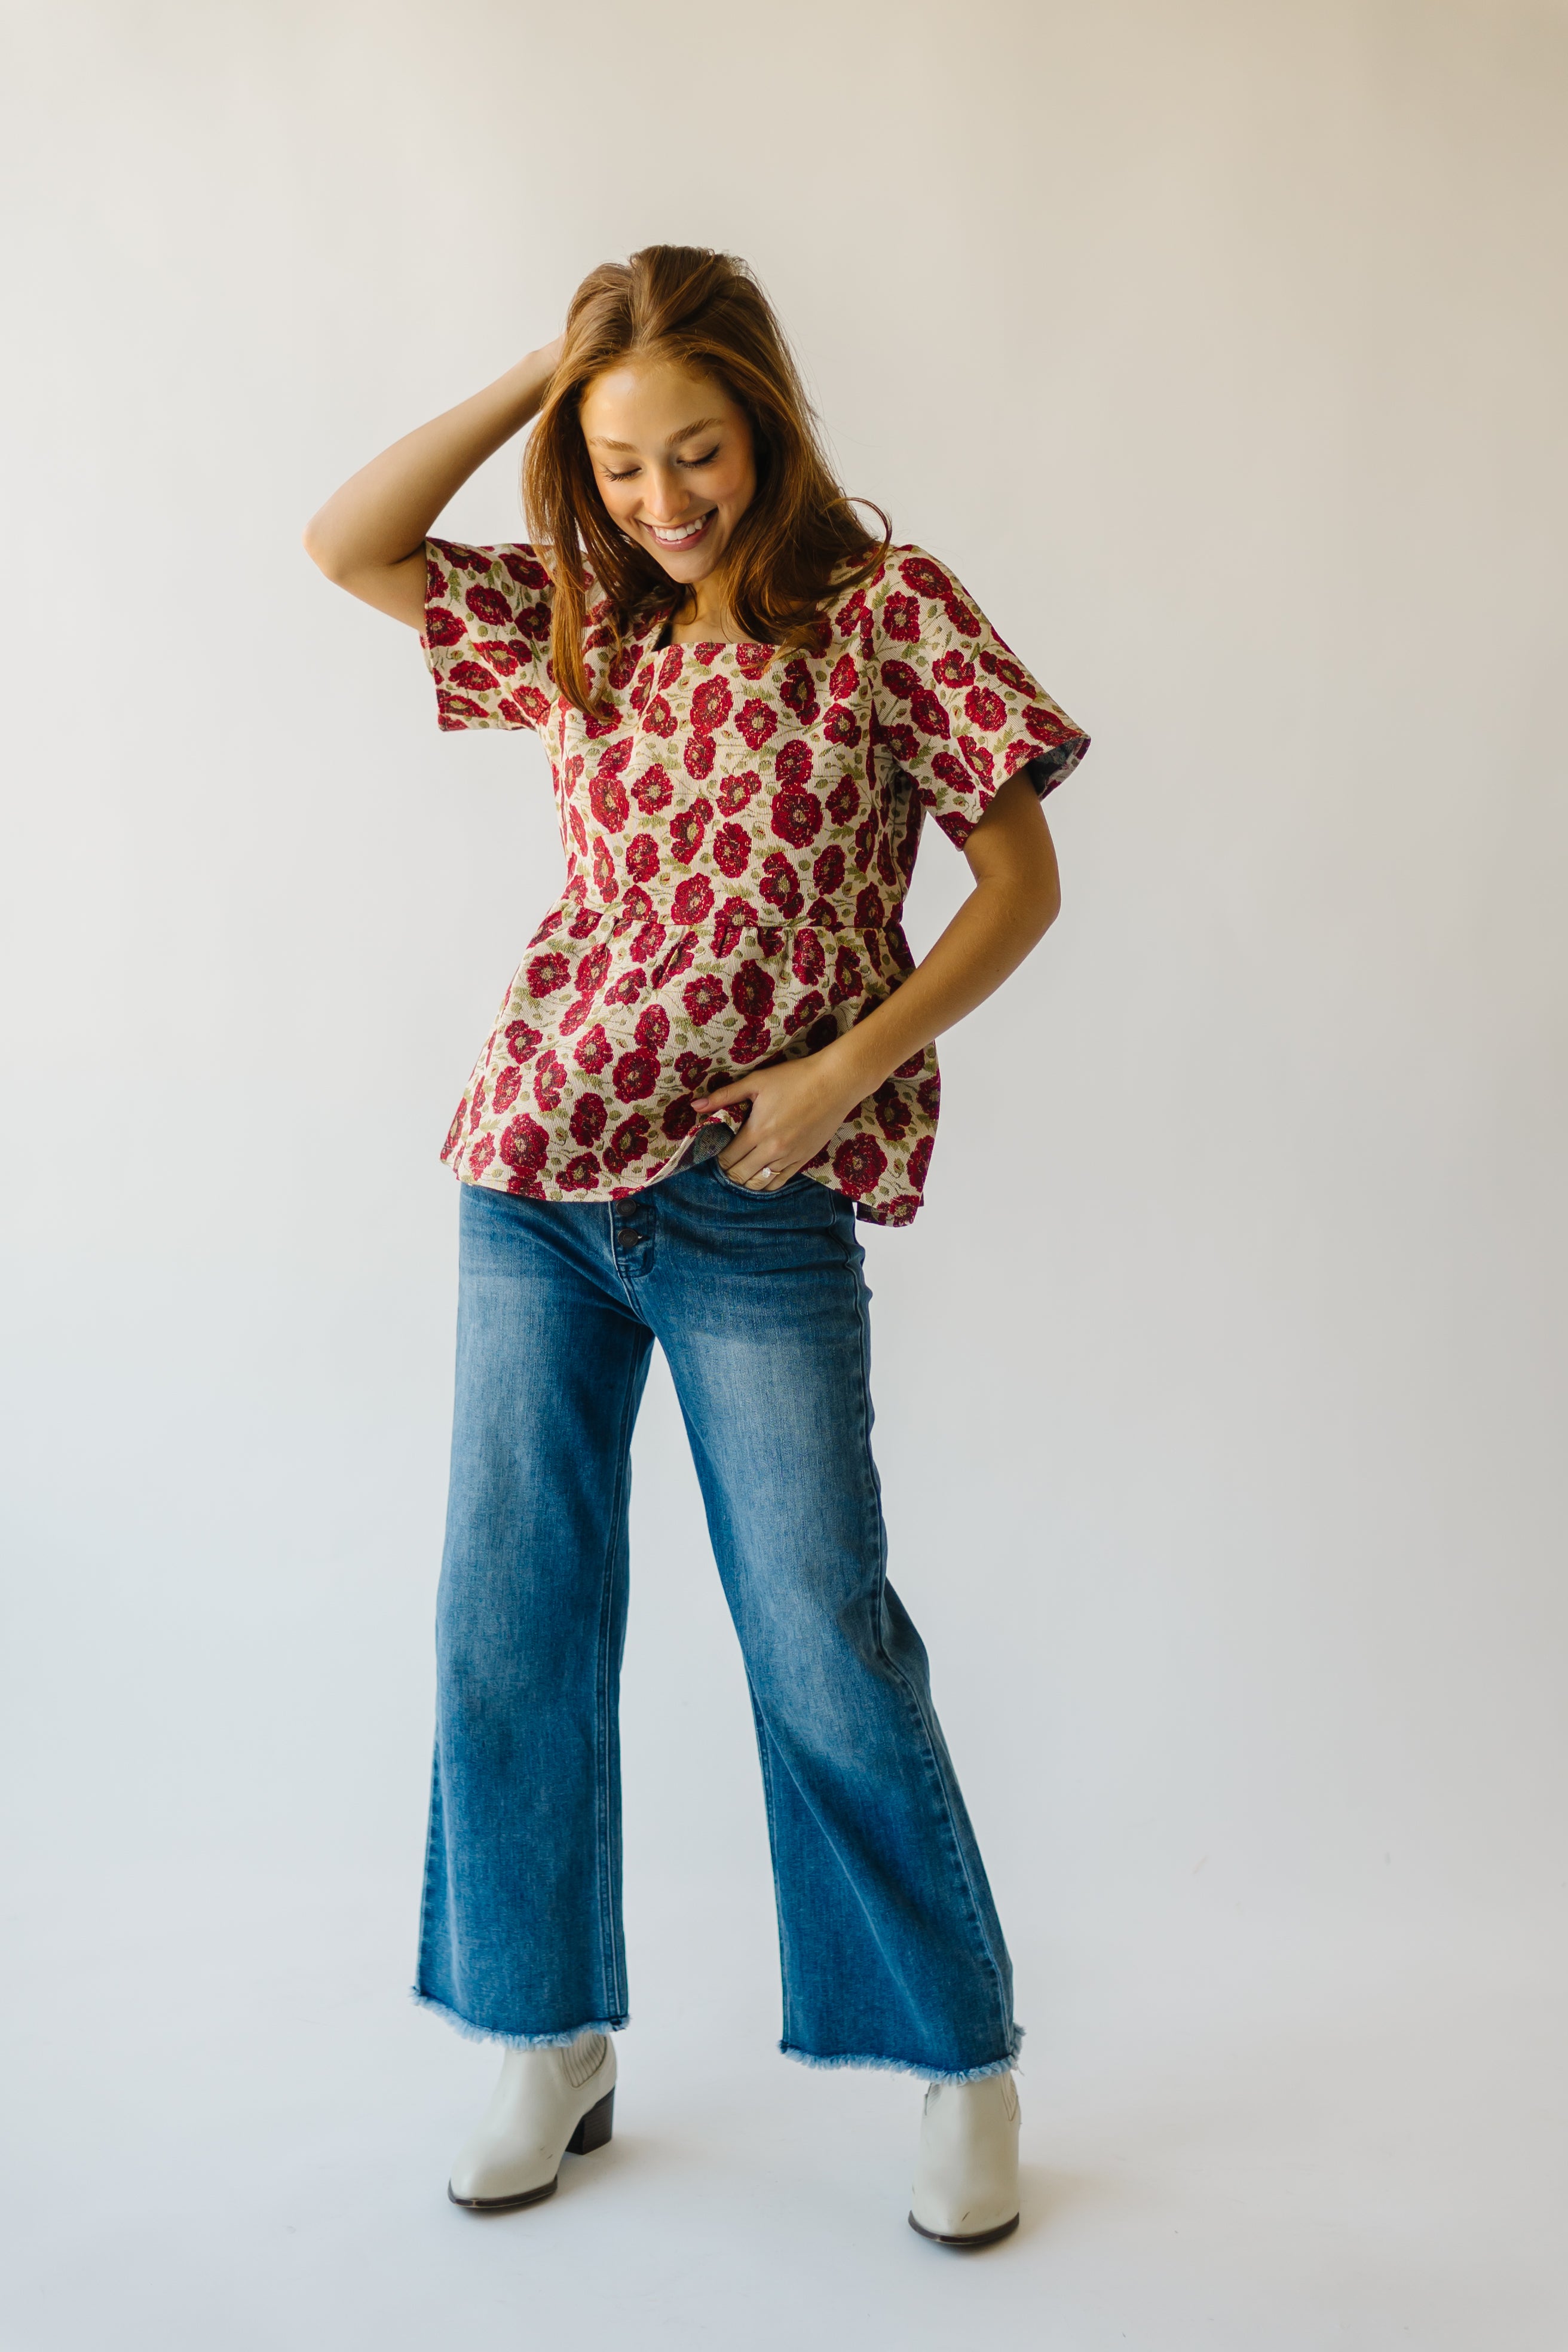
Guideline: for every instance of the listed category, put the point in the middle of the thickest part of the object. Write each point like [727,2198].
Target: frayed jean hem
[912,2065]
[472,2033]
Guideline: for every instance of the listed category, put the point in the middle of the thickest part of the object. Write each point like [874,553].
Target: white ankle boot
[966,2181]
[547,2102]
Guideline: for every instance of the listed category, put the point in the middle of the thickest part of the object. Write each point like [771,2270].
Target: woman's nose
[665,498]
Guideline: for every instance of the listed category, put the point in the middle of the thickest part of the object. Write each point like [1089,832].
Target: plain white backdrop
[1221,350]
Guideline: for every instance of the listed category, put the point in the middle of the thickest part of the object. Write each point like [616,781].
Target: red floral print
[906,705]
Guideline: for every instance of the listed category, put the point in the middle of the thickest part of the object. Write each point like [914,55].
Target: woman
[716,1054]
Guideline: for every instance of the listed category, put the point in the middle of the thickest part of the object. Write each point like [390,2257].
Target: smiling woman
[676,444]
[751,708]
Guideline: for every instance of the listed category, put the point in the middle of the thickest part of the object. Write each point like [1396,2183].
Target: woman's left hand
[795,1107]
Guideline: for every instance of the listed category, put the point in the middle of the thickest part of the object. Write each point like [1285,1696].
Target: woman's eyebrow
[703,425]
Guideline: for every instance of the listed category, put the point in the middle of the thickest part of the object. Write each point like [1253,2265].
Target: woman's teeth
[685,531]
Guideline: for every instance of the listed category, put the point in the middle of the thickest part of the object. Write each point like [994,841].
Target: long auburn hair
[798,538]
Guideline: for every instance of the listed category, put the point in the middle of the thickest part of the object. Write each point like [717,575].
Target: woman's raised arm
[370,536]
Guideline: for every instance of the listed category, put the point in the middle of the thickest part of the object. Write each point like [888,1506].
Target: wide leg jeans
[890,1949]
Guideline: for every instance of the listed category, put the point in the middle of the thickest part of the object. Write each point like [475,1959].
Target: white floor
[1235,2137]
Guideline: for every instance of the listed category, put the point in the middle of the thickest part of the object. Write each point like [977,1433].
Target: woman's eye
[614,476]
[708,460]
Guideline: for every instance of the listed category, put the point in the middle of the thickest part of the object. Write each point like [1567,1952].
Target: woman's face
[673,458]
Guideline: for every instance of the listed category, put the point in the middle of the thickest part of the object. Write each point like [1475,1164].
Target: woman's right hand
[370,536]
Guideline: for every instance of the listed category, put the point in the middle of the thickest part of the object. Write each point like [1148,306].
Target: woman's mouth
[682,534]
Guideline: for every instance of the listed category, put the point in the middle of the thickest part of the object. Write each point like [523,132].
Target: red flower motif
[752,989]
[950,771]
[607,799]
[865,842]
[548,1080]
[592,1050]
[847,980]
[954,669]
[853,615]
[642,857]
[752,1039]
[899,679]
[797,815]
[628,987]
[658,719]
[521,1040]
[870,911]
[679,1120]
[525,569]
[800,1015]
[752,659]
[792,762]
[978,757]
[628,1143]
[845,679]
[524,1145]
[653,790]
[669,667]
[490,604]
[731,850]
[1047,725]
[649,941]
[699,756]
[841,726]
[589,1118]
[729,926]
[965,617]
[757,721]
[798,692]
[780,885]
[457,710]
[623,668]
[653,1027]
[703,998]
[509,1086]
[591,968]
[710,705]
[842,802]
[927,712]
[857,1164]
[920,1161]
[809,960]
[635,1075]
[580,1173]
[603,868]
[677,958]
[503,658]
[442,626]
[546,974]
[586,921]
[985,708]
[579,831]
[481,1153]
[894,1116]
[736,791]
[691,1068]
[687,827]
[476,1108]
[929,1094]
[474,675]
[926,578]
[901,619]
[693,899]
[536,705]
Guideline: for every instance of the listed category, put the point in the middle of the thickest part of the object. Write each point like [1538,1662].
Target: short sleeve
[954,705]
[487,635]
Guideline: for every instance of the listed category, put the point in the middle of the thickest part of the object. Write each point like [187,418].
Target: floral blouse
[740,826]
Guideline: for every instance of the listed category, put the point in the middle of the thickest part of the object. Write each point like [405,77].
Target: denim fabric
[889,1946]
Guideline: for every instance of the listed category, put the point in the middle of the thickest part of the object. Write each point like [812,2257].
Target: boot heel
[594,2131]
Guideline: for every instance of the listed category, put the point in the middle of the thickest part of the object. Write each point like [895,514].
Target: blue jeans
[890,1949]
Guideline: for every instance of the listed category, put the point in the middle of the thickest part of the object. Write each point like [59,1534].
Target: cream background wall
[1222,351]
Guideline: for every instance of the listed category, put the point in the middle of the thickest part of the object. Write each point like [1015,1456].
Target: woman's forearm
[379,520]
[1016,899]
